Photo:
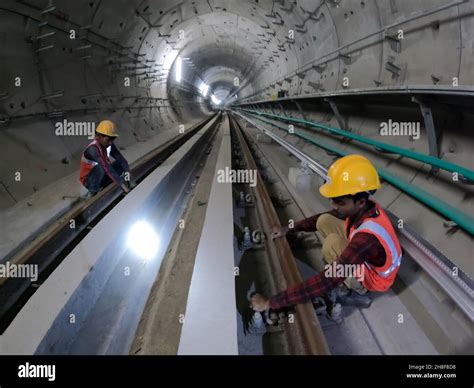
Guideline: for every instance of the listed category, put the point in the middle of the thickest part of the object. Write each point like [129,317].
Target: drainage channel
[166,317]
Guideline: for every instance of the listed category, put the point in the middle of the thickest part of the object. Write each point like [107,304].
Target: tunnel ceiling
[222,39]
[224,42]
[303,46]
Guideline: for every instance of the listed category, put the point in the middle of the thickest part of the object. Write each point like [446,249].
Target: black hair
[356,197]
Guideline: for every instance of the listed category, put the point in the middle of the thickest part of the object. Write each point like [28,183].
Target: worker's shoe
[335,313]
[319,305]
[88,195]
[352,298]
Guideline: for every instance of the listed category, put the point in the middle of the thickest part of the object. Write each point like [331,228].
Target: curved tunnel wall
[83,79]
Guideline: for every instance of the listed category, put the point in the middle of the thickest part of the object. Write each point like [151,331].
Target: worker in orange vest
[356,234]
[96,169]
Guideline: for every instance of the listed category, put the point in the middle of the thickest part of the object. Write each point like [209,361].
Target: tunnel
[165,168]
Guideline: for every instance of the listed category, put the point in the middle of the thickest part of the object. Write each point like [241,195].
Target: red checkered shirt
[362,248]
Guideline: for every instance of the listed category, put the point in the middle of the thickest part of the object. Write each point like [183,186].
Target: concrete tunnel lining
[218,41]
[332,22]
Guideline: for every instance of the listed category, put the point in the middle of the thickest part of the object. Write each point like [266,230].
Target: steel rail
[314,341]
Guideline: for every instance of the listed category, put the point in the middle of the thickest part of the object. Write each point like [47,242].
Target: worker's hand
[259,303]
[279,231]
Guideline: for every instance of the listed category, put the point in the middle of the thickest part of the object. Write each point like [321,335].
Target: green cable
[463,220]
[431,160]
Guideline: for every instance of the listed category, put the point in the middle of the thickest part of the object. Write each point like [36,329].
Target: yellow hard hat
[107,128]
[350,175]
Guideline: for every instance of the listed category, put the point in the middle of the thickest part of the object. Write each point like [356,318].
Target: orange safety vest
[87,165]
[380,278]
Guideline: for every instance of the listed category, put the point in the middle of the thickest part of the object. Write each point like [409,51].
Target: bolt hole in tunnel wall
[157,68]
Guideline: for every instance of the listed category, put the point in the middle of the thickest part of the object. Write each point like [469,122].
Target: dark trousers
[98,179]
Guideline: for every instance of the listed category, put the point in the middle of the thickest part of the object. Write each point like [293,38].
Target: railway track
[311,339]
[305,334]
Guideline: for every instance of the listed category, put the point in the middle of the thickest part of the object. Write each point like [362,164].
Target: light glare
[215,100]
[143,240]
[179,69]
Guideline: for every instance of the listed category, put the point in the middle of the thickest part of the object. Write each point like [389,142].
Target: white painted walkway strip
[34,320]
[210,322]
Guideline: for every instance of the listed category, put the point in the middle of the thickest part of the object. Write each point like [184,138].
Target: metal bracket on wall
[394,42]
[315,85]
[430,129]
[279,22]
[346,58]
[282,109]
[393,68]
[340,119]
[301,28]
[286,6]
[271,108]
[321,67]
[300,109]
